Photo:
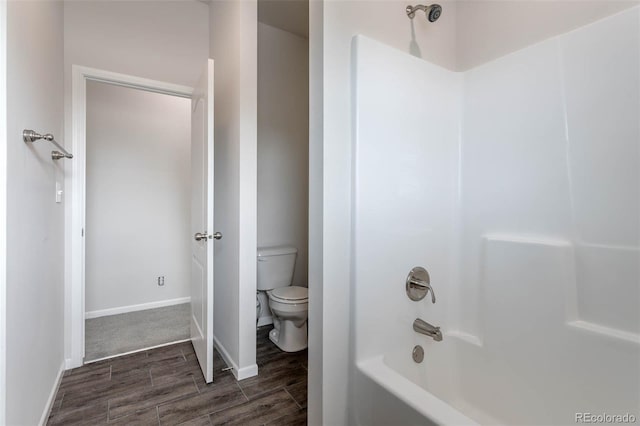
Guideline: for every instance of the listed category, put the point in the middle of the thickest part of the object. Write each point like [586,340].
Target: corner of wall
[233,47]
[248,183]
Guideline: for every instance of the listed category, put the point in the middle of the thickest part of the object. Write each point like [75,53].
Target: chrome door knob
[201,236]
[217,235]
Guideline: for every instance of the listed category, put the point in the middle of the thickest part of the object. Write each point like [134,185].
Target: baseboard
[238,373]
[248,371]
[52,396]
[69,364]
[134,308]
[225,357]
[265,321]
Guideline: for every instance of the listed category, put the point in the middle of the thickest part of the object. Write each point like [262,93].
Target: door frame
[75,187]
[3,209]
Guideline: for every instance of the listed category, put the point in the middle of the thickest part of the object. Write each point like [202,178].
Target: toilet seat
[290,295]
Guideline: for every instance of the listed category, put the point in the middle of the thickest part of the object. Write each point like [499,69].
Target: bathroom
[424,214]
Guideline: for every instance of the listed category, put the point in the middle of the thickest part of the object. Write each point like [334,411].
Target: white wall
[489,29]
[138,197]
[341,20]
[554,116]
[585,135]
[233,46]
[335,23]
[35,245]
[405,188]
[283,143]
[162,40]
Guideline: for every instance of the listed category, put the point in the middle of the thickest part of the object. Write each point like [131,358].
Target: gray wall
[283,143]
[35,222]
[138,197]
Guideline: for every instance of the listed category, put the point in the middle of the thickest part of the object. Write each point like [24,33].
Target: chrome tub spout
[423,327]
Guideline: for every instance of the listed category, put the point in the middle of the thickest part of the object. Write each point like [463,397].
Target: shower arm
[411,10]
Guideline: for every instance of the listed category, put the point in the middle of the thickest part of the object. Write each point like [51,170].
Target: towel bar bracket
[32,136]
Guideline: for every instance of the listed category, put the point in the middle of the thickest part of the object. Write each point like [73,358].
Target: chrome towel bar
[32,136]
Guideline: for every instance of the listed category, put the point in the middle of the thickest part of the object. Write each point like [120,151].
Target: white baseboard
[248,371]
[69,364]
[134,308]
[52,396]
[225,356]
[265,321]
[238,373]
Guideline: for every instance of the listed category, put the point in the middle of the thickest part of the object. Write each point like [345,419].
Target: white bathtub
[392,399]
[462,382]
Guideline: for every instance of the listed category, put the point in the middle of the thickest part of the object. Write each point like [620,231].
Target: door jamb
[3,209]
[74,234]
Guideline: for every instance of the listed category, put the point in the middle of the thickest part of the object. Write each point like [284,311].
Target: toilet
[288,304]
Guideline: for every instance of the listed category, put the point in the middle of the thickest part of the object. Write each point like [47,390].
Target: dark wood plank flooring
[165,386]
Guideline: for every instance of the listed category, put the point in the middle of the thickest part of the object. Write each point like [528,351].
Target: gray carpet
[117,334]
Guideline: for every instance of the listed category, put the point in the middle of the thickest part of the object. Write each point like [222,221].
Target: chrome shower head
[432,11]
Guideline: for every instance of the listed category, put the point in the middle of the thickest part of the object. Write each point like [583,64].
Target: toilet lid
[290,293]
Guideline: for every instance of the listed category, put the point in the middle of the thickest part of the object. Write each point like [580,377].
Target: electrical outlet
[161,280]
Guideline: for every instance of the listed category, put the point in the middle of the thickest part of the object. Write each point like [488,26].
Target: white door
[202,221]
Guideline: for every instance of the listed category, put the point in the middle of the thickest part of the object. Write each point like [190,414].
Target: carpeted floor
[118,334]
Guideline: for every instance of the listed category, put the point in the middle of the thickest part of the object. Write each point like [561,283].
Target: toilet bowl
[288,304]
[289,308]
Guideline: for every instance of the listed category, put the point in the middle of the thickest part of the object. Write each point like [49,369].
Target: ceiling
[288,15]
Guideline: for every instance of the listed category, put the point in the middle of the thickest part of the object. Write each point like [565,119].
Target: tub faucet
[427,329]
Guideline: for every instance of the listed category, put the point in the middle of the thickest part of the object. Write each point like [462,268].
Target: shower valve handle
[418,284]
[425,286]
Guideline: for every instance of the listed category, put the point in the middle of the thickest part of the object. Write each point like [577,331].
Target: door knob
[200,236]
[217,235]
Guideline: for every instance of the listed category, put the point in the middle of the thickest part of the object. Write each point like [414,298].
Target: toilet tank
[275,266]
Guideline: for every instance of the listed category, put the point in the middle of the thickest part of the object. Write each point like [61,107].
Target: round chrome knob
[200,236]
[217,235]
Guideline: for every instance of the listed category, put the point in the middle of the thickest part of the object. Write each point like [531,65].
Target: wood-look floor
[165,386]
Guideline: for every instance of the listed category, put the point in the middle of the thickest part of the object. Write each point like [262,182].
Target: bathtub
[392,399]
[392,389]
[461,381]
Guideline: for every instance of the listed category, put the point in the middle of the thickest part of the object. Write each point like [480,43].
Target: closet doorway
[138,212]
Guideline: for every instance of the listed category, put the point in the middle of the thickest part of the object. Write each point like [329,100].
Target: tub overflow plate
[418,354]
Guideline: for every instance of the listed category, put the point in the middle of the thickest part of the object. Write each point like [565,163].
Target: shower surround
[516,185]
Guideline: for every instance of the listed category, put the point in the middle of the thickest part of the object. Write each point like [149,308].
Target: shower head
[432,11]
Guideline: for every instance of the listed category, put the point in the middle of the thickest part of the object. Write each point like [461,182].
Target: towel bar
[32,136]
